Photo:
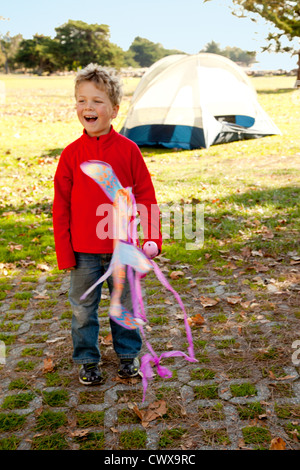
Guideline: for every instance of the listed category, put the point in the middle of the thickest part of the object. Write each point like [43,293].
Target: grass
[206,391]
[21,400]
[54,441]
[50,421]
[243,390]
[55,398]
[258,436]
[250,193]
[133,439]
[171,437]
[92,441]
[238,183]
[11,422]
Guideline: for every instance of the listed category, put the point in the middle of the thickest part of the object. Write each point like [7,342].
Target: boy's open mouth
[90,118]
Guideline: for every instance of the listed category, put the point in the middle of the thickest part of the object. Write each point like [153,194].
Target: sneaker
[129,368]
[90,374]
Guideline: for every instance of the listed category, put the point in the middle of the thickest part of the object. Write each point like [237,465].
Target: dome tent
[194,101]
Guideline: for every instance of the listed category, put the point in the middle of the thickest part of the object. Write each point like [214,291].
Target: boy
[82,244]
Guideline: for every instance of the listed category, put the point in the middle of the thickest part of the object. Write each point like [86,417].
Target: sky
[185,25]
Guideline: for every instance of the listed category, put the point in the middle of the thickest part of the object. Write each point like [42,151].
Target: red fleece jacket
[77,213]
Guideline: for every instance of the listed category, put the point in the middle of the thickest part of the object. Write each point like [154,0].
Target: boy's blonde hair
[104,78]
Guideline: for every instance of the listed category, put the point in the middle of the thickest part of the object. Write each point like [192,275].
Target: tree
[82,43]
[285,16]
[37,53]
[9,46]
[212,48]
[234,53]
[146,52]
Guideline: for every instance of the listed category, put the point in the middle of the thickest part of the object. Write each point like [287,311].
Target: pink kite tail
[164,281]
[146,369]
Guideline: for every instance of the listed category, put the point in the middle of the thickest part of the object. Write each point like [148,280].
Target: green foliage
[11,421]
[133,439]
[52,442]
[243,390]
[50,420]
[55,398]
[146,52]
[38,54]
[81,43]
[284,15]
[233,53]
[256,435]
[170,437]
[21,400]
[9,443]
[8,48]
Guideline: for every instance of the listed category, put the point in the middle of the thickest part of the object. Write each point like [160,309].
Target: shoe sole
[128,376]
[95,382]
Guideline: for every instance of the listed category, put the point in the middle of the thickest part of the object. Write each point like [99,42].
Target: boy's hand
[150,249]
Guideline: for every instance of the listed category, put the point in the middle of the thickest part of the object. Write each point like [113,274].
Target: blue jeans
[85,323]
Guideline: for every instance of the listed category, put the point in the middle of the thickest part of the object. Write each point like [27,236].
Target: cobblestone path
[244,392]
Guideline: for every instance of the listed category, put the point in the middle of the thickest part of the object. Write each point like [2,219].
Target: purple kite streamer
[127,253]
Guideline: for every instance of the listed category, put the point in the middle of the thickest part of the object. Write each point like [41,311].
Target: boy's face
[94,109]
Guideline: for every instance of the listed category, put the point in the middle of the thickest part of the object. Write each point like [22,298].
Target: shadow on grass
[278,91]
[27,234]
[267,219]
[52,153]
[261,218]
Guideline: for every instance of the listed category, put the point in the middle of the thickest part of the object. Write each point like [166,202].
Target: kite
[129,258]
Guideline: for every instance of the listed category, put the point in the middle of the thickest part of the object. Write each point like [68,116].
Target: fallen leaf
[196,320]
[260,268]
[154,411]
[107,340]
[176,274]
[286,377]
[208,301]
[48,365]
[61,338]
[131,381]
[14,246]
[235,299]
[7,214]
[80,433]
[258,280]
[257,253]
[246,252]
[277,444]
[295,261]
[246,304]
[43,267]
[41,295]
[271,374]
[229,265]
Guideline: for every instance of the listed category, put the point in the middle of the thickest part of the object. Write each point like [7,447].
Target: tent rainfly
[194,101]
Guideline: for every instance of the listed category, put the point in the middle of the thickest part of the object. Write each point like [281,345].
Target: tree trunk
[6,65]
[297,84]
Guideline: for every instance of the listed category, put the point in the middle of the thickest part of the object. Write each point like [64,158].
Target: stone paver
[244,353]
